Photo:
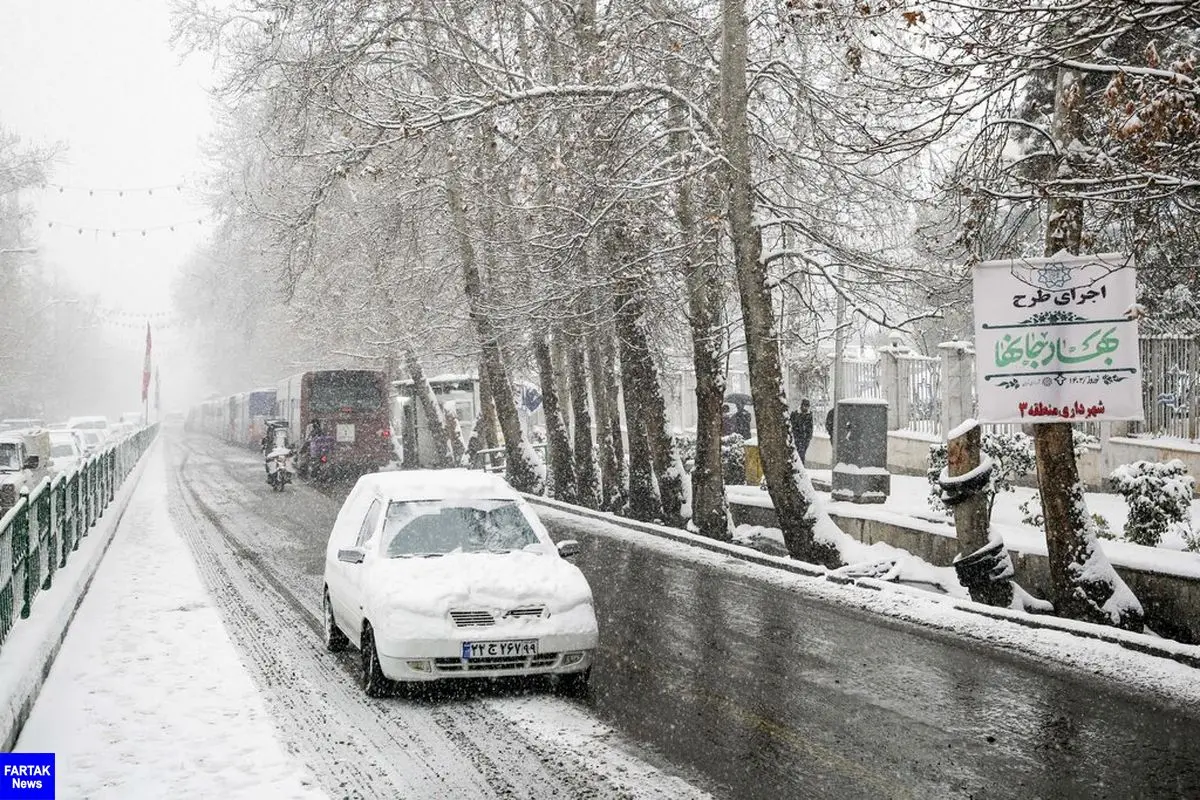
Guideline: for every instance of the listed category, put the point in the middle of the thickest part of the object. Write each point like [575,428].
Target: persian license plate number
[509,649]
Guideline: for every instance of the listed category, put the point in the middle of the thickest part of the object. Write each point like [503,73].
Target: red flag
[146,367]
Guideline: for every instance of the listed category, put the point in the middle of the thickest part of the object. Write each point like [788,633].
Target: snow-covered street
[148,697]
[195,668]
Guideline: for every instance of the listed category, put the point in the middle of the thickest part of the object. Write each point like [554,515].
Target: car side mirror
[568,548]
[32,462]
[351,555]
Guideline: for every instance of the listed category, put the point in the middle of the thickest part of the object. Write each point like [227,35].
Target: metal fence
[920,389]
[1170,386]
[39,533]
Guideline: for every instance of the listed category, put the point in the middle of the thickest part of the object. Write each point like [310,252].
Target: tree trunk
[523,468]
[491,425]
[710,506]
[607,433]
[561,461]
[432,411]
[1082,578]
[643,503]
[640,377]
[586,469]
[784,474]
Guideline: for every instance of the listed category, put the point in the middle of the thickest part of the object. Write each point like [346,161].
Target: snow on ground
[908,504]
[147,697]
[1160,676]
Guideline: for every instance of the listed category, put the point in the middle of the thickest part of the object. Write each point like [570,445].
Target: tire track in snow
[478,742]
[325,720]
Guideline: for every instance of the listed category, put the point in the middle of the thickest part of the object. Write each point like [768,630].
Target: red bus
[352,408]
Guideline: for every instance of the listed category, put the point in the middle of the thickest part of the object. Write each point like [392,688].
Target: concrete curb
[33,644]
[1188,655]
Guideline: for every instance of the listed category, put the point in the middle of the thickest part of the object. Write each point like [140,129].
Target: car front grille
[526,611]
[472,619]
[496,663]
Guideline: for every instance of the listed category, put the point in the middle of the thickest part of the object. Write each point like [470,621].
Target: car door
[337,573]
[356,575]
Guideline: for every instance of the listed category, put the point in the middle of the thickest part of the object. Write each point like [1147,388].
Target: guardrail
[39,533]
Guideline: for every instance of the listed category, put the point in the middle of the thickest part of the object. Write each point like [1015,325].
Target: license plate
[345,432]
[511,649]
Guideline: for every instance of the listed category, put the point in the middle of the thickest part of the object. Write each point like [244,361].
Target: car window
[435,528]
[369,523]
[10,457]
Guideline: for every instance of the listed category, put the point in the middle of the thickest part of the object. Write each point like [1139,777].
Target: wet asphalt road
[772,694]
[758,691]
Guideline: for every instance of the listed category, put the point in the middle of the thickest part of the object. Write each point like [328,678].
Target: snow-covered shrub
[686,446]
[1191,540]
[1011,455]
[1080,441]
[733,459]
[1159,496]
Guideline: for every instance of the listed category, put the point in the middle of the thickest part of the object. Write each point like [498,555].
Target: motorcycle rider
[311,432]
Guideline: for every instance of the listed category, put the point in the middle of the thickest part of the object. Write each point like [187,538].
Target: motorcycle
[280,468]
[316,463]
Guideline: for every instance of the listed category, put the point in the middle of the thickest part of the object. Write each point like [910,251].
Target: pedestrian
[802,428]
[741,422]
[829,423]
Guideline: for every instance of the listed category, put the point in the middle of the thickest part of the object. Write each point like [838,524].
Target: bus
[351,406]
[251,410]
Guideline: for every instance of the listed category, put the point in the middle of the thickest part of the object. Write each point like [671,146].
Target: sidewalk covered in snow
[148,697]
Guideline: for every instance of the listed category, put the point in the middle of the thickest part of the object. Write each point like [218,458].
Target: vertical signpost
[1057,340]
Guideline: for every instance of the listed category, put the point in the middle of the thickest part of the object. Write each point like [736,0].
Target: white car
[97,425]
[437,574]
[66,450]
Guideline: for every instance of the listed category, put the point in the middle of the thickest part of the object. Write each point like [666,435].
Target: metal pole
[839,350]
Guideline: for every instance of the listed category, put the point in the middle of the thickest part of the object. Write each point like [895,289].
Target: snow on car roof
[437,484]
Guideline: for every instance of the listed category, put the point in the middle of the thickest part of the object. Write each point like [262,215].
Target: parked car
[98,424]
[93,441]
[66,450]
[24,462]
[449,574]
[19,424]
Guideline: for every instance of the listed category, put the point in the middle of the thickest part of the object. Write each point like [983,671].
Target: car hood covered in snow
[501,581]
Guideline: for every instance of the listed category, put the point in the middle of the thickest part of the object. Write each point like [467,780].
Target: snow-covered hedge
[1159,496]
[733,459]
[1011,455]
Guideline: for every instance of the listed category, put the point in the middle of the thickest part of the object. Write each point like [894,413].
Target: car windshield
[10,458]
[433,528]
[91,425]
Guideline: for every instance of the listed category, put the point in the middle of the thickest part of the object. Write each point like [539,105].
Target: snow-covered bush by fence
[1159,496]
[733,459]
[1011,455]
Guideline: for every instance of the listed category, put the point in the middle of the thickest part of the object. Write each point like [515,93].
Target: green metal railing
[39,533]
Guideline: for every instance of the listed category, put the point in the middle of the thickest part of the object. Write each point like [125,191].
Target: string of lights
[137,315]
[95,190]
[176,187]
[116,232]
